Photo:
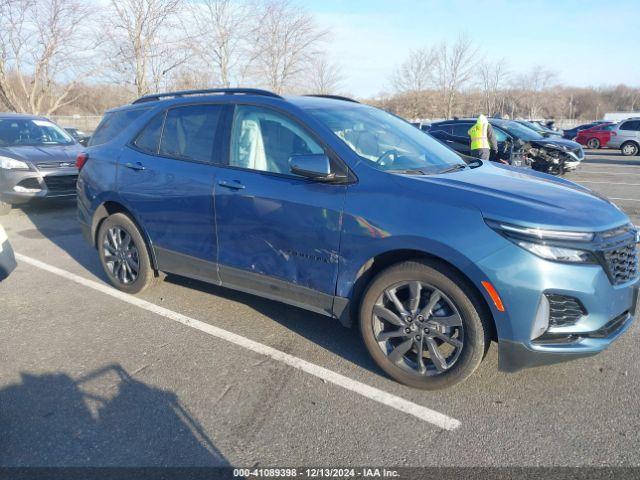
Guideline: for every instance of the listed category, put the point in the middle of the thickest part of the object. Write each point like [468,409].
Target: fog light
[541,322]
[21,189]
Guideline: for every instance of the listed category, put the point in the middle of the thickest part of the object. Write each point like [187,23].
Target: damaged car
[517,145]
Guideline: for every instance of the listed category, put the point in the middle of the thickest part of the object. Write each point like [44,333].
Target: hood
[43,154]
[524,197]
[556,141]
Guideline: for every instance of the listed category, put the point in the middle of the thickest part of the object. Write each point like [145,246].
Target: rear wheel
[629,149]
[421,324]
[593,143]
[124,255]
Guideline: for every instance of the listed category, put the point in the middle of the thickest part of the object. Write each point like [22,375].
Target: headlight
[559,254]
[12,164]
[547,244]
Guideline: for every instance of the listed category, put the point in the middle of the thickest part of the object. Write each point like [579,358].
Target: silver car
[37,160]
[626,137]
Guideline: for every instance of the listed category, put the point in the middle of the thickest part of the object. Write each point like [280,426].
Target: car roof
[230,94]
[22,116]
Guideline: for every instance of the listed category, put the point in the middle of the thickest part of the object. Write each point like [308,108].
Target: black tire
[629,149]
[145,275]
[476,333]
[5,208]
[593,143]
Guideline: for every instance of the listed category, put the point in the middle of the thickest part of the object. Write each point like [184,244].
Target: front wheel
[421,323]
[629,149]
[124,255]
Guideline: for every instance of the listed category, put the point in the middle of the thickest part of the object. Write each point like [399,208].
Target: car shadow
[57,223]
[324,331]
[105,418]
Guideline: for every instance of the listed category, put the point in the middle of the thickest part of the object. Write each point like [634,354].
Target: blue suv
[345,210]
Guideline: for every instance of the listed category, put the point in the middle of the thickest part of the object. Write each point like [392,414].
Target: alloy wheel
[418,328]
[629,149]
[121,255]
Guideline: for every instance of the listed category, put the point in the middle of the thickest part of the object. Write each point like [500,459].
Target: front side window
[385,141]
[265,140]
[461,129]
[32,132]
[189,132]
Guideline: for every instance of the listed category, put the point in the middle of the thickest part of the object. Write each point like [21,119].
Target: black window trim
[351,176]
[217,153]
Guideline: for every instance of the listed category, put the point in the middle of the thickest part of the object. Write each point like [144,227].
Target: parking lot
[185,377]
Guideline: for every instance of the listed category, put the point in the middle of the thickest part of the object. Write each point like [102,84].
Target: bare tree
[286,39]
[41,51]
[221,30]
[530,85]
[493,77]
[416,71]
[140,47]
[324,76]
[454,66]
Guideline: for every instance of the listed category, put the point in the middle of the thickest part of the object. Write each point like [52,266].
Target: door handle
[235,185]
[449,141]
[135,166]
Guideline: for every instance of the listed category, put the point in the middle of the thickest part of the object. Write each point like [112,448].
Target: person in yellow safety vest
[483,139]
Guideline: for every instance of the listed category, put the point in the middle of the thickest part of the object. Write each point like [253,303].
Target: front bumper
[522,279]
[21,186]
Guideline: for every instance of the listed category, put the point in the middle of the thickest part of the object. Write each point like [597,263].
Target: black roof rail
[228,91]
[333,97]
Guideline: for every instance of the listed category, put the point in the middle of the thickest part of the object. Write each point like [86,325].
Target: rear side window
[113,123]
[149,138]
[189,132]
[633,125]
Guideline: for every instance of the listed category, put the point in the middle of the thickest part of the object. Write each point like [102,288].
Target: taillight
[81,159]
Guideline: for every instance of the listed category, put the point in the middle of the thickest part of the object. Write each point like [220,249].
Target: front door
[167,177]
[278,233]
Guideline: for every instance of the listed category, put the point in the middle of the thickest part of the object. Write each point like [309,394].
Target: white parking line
[423,413]
[625,199]
[606,173]
[609,183]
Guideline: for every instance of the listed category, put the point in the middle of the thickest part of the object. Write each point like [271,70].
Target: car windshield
[33,132]
[533,126]
[520,131]
[387,142]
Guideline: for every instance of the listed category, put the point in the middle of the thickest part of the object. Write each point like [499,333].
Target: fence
[84,123]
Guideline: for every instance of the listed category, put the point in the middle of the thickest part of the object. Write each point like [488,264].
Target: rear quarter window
[113,123]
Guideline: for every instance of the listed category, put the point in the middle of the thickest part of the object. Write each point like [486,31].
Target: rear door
[460,137]
[166,175]
[629,130]
[278,233]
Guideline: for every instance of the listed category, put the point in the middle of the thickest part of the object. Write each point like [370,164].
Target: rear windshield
[32,132]
[113,123]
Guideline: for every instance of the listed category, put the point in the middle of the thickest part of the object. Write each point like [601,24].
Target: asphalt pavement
[193,375]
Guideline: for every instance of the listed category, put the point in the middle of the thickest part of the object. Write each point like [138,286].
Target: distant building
[617,116]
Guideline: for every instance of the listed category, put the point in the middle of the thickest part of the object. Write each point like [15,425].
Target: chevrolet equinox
[345,210]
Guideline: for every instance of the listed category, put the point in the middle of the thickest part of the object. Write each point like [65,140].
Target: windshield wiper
[409,171]
[456,167]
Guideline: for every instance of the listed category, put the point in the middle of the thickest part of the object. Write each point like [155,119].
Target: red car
[596,137]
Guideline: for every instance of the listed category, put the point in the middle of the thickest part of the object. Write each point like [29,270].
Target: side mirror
[314,166]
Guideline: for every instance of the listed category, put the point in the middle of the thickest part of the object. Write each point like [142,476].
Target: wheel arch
[632,141]
[111,207]
[382,261]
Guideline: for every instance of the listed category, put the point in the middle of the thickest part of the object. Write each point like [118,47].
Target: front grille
[563,310]
[622,263]
[58,184]
[618,254]
[30,183]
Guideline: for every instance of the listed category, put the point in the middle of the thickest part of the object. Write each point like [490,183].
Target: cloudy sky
[587,43]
